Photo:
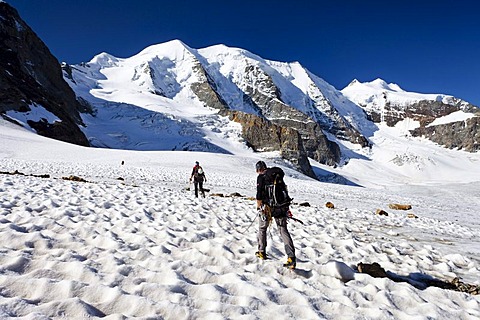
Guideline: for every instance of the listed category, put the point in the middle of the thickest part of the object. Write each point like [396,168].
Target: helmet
[260,166]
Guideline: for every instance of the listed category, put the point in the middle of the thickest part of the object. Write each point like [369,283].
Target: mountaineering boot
[291,263]
[261,255]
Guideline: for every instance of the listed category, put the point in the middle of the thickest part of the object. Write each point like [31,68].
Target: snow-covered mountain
[227,100]
[373,95]
[196,86]
[444,119]
[195,92]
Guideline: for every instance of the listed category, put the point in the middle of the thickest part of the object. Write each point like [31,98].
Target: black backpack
[276,189]
[198,174]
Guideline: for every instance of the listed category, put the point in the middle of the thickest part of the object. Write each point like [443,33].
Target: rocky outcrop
[454,135]
[206,91]
[263,135]
[424,111]
[31,76]
[281,125]
[260,87]
[259,133]
[463,135]
[317,145]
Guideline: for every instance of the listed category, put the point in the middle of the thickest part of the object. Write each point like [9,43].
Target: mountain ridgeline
[219,99]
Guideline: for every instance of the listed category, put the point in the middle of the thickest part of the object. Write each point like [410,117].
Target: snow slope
[145,248]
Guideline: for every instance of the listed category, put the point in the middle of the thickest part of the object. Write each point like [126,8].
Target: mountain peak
[379,83]
[353,82]
[176,44]
[376,85]
[174,50]
[172,45]
[104,59]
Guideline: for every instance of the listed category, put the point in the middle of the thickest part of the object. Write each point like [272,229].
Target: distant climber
[198,176]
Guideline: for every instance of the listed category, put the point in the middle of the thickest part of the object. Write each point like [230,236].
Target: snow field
[110,249]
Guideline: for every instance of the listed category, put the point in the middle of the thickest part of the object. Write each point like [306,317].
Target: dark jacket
[198,177]
[261,190]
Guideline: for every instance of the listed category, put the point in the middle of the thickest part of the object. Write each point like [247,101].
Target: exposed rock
[263,135]
[259,86]
[463,135]
[397,206]
[259,133]
[221,195]
[16,172]
[232,195]
[373,269]
[329,205]
[31,75]
[424,111]
[236,195]
[381,212]
[465,287]
[206,90]
[74,178]
[316,144]
[460,135]
[265,98]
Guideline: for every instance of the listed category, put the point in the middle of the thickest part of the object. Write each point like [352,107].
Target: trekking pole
[251,222]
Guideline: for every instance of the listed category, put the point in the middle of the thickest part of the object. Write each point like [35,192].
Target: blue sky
[427,48]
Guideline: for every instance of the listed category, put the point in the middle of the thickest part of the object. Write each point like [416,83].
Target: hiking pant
[284,234]
[198,184]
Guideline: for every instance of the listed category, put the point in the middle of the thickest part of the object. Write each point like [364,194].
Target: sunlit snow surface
[146,248]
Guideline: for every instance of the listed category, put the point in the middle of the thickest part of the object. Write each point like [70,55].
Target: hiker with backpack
[198,176]
[273,203]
